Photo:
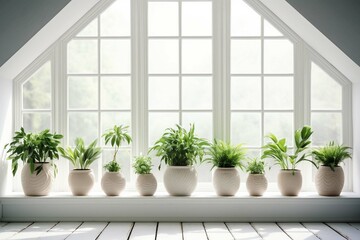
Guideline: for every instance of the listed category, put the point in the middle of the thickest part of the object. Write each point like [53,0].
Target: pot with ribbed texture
[289,182]
[226,181]
[113,183]
[146,184]
[81,181]
[329,182]
[180,180]
[256,184]
[37,185]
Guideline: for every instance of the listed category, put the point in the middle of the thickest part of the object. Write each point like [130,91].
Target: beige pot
[37,185]
[226,181]
[81,181]
[146,184]
[329,182]
[113,183]
[180,180]
[256,184]
[289,182]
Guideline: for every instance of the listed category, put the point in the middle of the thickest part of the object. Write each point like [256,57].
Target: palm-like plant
[331,155]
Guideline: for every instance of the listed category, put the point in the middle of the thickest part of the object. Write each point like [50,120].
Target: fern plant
[142,165]
[255,166]
[331,155]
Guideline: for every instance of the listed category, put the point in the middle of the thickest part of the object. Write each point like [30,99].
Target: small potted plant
[146,183]
[113,182]
[226,157]
[37,152]
[329,179]
[289,178]
[81,178]
[180,150]
[256,182]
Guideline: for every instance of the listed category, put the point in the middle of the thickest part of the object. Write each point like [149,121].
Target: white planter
[180,180]
[256,184]
[37,185]
[146,184]
[81,181]
[226,181]
[329,182]
[113,183]
[289,182]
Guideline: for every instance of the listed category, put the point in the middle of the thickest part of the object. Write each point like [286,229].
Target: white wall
[356,137]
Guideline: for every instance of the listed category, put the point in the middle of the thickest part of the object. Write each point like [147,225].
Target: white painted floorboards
[178,231]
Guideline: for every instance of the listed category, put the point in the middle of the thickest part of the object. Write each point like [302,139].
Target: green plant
[33,148]
[255,166]
[225,155]
[178,147]
[331,155]
[112,166]
[278,150]
[81,156]
[142,165]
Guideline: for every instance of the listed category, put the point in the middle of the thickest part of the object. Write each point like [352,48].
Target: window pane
[158,122]
[245,56]
[83,92]
[109,119]
[163,19]
[280,124]
[37,89]
[196,93]
[244,20]
[327,127]
[192,23]
[278,93]
[196,56]
[91,30]
[115,21]
[84,125]
[246,128]
[115,56]
[270,30]
[202,121]
[123,158]
[278,56]
[82,56]
[245,93]
[36,122]
[115,93]
[163,56]
[163,93]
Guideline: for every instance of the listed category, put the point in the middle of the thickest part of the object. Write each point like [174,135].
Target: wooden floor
[178,231]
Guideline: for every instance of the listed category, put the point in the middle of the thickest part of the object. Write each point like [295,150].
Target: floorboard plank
[356,225]
[297,231]
[323,231]
[216,231]
[88,231]
[144,231]
[116,231]
[61,231]
[193,231]
[243,231]
[34,231]
[2,224]
[11,229]
[270,231]
[169,231]
[346,230]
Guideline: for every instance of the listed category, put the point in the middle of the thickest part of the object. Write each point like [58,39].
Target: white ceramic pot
[180,180]
[81,181]
[113,183]
[256,184]
[226,181]
[37,185]
[146,184]
[329,182]
[289,182]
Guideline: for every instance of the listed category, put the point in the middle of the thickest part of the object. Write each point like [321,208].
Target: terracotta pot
[113,183]
[81,181]
[180,180]
[256,184]
[226,181]
[289,182]
[37,185]
[146,184]
[329,182]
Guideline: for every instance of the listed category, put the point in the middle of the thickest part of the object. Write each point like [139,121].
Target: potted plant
[329,179]
[113,182]
[81,178]
[226,157]
[180,150]
[146,183]
[289,178]
[37,152]
[256,182]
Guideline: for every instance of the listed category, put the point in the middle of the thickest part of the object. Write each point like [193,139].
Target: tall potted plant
[180,150]
[289,178]
[256,182]
[146,183]
[37,152]
[81,178]
[329,179]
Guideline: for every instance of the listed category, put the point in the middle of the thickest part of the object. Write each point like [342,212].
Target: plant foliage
[115,136]
[255,166]
[112,166]
[142,165]
[331,155]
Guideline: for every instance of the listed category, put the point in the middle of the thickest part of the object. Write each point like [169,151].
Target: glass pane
[91,30]
[279,93]
[196,93]
[36,122]
[123,158]
[203,123]
[37,89]
[84,125]
[196,56]
[109,119]
[244,20]
[270,30]
[192,23]
[163,19]
[115,93]
[115,21]
[163,93]
[245,93]
[115,56]
[246,129]
[326,93]
[83,92]
[245,56]
[327,127]
[82,56]
[278,56]
[163,56]
[280,124]
[158,122]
